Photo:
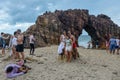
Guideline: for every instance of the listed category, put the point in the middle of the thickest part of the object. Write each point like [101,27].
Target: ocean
[83,40]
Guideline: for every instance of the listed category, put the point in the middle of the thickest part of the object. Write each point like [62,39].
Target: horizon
[15,16]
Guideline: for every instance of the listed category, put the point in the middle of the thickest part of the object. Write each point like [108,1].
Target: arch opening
[84,39]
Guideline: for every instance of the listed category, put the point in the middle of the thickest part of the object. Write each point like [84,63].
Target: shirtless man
[74,45]
[20,47]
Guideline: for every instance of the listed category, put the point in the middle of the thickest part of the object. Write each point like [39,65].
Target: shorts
[74,45]
[68,48]
[2,46]
[20,48]
[112,47]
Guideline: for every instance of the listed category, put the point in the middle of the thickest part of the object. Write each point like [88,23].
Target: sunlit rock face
[49,26]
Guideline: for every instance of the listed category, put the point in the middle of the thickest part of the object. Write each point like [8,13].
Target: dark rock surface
[49,26]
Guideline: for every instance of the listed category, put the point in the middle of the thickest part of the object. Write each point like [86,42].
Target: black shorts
[116,47]
[20,48]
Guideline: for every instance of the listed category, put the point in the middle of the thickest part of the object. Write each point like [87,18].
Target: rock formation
[49,26]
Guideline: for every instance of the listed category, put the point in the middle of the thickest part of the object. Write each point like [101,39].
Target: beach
[92,65]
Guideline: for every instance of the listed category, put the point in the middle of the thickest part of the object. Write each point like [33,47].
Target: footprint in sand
[104,65]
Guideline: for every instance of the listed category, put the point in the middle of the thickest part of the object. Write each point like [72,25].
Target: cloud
[25,12]
[8,28]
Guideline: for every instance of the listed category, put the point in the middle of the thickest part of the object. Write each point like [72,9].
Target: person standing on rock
[20,46]
[32,43]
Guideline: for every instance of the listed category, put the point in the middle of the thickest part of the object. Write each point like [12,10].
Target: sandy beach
[92,65]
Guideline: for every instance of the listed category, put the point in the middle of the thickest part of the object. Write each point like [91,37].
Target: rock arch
[49,26]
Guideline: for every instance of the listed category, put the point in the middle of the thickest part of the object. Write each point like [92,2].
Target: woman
[61,47]
[14,70]
[14,44]
[32,42]
[68,48]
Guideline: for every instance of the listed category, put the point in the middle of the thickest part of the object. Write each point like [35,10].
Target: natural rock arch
[49,26]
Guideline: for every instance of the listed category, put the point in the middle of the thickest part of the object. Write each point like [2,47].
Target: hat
[18,30]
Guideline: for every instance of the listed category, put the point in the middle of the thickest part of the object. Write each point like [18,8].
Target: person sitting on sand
[61,47]
[14,70]
[68,48]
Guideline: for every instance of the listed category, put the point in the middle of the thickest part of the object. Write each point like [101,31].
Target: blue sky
[21,14]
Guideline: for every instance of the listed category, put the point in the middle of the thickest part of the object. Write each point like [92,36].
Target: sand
[92,65]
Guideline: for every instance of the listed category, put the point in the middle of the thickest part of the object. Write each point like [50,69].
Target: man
[74,45]
[3,43]
[20,46]
[113,44]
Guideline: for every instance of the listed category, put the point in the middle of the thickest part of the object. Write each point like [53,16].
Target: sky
[20,14]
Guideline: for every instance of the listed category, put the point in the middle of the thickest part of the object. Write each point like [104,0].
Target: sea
[83,40]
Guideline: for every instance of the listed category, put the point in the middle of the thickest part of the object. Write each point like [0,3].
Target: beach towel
[61,47]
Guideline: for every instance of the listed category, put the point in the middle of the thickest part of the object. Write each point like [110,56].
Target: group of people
[113,45]
[68,47]
[16,44]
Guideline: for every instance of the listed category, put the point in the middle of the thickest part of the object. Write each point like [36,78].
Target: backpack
[1,41]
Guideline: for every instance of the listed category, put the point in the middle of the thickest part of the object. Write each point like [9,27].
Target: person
[117,45]
[19,46]
[112,43]
[107,37]
[68,48]
[12,70]
[32,43]
[17,69]
[89,45]
[74,45]
[14,44]
[97,44]
[107,46]
[10,46]
[61,47]
[3,43]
